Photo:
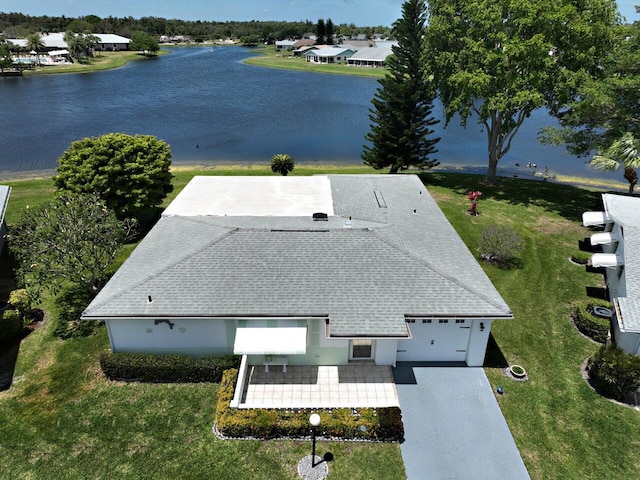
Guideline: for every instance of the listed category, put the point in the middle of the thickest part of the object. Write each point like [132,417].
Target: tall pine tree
[401,118]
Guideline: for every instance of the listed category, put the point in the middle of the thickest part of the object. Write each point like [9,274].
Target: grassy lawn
[270,58]
[102,61]
[62,419]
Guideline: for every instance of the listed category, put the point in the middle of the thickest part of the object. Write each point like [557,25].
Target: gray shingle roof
[624,211]
[365,278]
[372,54]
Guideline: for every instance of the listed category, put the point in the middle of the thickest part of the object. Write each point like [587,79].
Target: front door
[361,349]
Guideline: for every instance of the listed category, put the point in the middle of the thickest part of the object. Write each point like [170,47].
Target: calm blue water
[212,109]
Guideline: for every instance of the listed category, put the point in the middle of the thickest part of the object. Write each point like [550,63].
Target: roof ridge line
[433,268]
[182,258]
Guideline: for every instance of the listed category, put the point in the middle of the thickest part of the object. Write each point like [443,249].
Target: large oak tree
[607,107]
[499,60]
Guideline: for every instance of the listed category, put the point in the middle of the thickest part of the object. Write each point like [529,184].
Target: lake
[212,109]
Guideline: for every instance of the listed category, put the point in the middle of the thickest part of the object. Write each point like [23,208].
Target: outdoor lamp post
[314,420]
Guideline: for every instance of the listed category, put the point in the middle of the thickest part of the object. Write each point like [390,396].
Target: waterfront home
[620,259]
[322,270]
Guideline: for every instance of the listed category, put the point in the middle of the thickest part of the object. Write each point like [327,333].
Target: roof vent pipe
[149,299]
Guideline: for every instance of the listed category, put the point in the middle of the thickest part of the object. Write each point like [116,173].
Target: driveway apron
[454,428]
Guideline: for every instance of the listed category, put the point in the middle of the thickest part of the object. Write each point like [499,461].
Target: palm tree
[622,153]
[282,163]
[35,43]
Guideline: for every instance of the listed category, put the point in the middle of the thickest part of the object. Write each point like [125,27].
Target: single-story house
[303,42]
[332,54]
[302,51]
[620,258]
[55,41]
[285,44]
[357,44]
[5,191]
[321,270]
[112,42]
[370,57]
[51,41]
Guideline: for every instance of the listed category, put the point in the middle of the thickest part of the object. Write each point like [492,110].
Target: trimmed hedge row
[383,424]
[588,324]
[141,367]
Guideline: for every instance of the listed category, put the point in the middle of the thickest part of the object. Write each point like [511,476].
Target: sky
[359,12]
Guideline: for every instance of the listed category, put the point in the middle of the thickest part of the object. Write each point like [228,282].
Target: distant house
[334,54]
[370,57]
[285,45]
[322,270]
[5,191]
[51,41]
[620,259]
[55,41]
[302,51]
[111,42]
[303,42]
[357,44]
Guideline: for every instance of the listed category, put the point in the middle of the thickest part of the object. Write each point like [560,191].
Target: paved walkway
[454,428]
[345,386]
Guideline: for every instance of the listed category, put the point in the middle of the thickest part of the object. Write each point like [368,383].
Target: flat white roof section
[271,341]
[595,218]
[275,196]
[604,238]
[606,260]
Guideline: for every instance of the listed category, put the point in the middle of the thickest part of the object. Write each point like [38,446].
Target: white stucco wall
[629,342]
[385,353]
[188,336]
[478,342]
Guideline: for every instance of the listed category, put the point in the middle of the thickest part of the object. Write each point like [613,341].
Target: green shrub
[500,245]
[11,325]
[581,257]
[613,372]
[589,324]
[70,304]
[381,423]
[141,367]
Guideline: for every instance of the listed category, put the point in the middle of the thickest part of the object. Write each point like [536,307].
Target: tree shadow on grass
[8,358]
[567,201]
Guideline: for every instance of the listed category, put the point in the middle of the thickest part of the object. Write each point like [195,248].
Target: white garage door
[435,341]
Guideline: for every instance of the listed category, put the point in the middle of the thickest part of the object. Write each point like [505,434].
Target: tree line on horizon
[18,25]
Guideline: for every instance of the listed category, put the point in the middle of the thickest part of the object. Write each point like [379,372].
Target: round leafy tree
[129,173]
[282,163]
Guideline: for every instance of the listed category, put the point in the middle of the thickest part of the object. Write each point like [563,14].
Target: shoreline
[578,181]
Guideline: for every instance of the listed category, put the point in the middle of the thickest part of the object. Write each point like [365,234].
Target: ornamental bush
[381,423]
[500,245]
[613,372]
[589,324]
[152,368]
[130,173]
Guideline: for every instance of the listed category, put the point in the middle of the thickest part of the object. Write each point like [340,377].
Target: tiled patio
[346,386]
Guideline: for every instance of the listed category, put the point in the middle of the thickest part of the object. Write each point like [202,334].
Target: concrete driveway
[454,428]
